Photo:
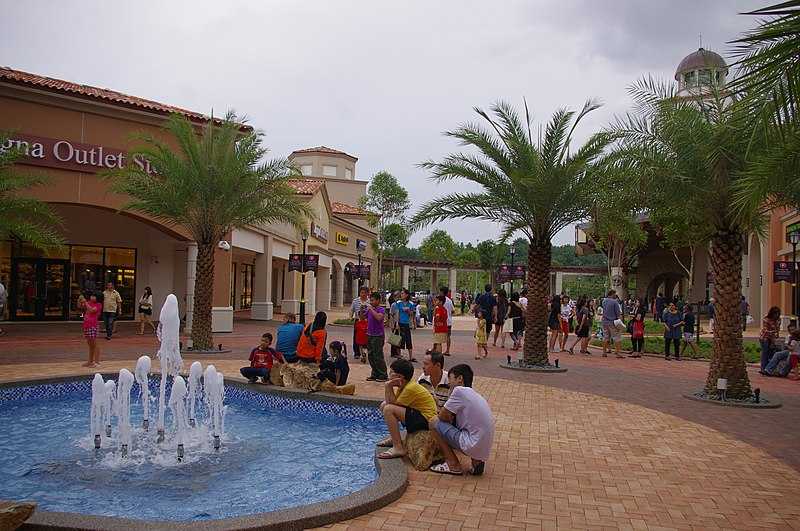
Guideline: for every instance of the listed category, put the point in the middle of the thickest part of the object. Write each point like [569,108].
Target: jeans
[766,353]
[251,373]
[108,321]
[355,350]
[775,359]
[675,341]
[638,343]
[375,357]
[744,322]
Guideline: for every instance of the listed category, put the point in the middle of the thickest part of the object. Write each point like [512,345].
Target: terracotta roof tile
[324,149]
[344,208]
[306,186]
[111,96]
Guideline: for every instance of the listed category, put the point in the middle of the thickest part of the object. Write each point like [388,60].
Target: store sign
[507,273]
[296,261]
[69,155]
[361,245]
[319,233]
[361,271]
[782,272]
[342,238]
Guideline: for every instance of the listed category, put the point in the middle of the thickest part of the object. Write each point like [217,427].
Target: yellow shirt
[111,301]
[417,397]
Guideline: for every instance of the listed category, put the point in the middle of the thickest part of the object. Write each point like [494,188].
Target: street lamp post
[794,239]
[360,273]
[513,250]
[303,282]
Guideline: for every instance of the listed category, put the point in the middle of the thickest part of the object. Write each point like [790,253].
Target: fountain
[113,399]
[142,373]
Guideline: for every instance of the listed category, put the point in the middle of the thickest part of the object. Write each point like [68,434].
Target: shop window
[306,169]
[86,255]
[26,250]
[348,173]
[329,171]
[246,296]
[116,256]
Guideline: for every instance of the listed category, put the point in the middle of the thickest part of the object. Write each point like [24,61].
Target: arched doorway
[668,284]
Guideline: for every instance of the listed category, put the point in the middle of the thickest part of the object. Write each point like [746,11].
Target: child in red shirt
[637,336]
[361,337]
[261,360]
[439,323]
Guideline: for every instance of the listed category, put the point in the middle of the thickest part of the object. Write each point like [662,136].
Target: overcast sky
[379,80]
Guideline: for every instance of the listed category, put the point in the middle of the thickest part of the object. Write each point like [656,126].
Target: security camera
[225,246]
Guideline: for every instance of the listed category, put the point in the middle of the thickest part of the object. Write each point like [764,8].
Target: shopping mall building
[70,133]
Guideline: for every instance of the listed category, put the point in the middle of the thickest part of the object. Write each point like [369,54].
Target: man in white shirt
[523,299]
[433,377]
[358,305]
[448,305]
[465,423]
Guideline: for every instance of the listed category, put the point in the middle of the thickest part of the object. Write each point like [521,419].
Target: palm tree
[769,81]
[690,153]
[214,182]
[536,188]
[24,218]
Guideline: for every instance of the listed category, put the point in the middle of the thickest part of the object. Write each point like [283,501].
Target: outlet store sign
[68,155]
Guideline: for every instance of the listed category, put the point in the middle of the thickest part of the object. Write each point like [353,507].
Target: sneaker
[264,380]
[477,470]
[252,380]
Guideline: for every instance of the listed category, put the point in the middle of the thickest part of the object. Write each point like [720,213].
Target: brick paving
[608,445]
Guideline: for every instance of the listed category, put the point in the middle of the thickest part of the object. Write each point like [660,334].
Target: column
[354,289]
[262,309]
[323,289]
[451,280]
[559,283]
[339,287]
[191,272]
[404,276]
[434,287]
[221,309]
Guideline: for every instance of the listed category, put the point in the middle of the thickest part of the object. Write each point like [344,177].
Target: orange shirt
[440,320]
[309,351]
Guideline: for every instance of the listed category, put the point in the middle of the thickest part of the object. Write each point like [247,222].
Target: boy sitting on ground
[406,402]
[261,360]
[465,423]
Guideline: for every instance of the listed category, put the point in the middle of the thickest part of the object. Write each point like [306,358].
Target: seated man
[407,402]
[433,377]
[288,337]
[780,364]
[261,360]
[465,423]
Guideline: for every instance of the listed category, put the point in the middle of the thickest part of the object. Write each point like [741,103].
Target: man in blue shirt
[403,309]
[611,312]
[488,304]
[288,337]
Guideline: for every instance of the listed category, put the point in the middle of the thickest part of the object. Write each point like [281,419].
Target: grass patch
[349,322]
[655,345]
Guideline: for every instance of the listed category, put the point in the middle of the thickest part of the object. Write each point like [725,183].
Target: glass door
[39,289]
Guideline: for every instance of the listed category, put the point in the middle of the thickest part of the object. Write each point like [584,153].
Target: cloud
[379,80]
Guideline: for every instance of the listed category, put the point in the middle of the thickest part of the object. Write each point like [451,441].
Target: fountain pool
[279,451]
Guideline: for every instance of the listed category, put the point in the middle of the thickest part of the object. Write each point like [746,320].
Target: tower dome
[702,68]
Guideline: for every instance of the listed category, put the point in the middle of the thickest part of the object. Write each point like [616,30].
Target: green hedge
[752,351]
[344,321]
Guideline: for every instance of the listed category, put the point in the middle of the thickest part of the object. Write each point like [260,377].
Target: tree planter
[750,403]
[532,367]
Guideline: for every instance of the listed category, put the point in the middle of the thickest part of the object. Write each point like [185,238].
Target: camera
[225,246]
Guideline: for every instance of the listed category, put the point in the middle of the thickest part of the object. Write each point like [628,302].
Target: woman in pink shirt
[92,311]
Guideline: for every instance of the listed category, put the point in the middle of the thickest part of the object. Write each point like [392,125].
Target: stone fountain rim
[389,486]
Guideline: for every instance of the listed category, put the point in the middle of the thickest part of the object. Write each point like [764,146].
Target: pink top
[89,316]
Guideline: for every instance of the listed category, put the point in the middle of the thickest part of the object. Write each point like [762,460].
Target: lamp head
[794,237]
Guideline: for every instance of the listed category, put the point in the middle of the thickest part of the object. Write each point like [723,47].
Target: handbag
[395,339]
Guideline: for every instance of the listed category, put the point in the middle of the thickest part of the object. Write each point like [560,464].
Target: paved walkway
[610,444]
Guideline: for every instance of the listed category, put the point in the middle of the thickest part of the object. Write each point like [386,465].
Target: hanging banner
[361,271]
[295,262]
[782,272]
[507,273]
[361,245]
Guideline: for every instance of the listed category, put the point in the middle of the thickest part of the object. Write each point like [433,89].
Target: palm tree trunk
[535,346]
[727,359]
[203,290]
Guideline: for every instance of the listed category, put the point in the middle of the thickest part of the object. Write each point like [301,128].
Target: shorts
[610,331]
[414,421]
[583,332]
[553,324]
[450,433]
[90,332]
[688,337]
[145,311]
[565,327]
[440,337]
[405,337]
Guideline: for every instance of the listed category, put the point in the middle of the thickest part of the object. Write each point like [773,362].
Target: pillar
[191,273]
[323,289]
[434,286]
[404,276]
[221,309]
[354,289]
[262,309]
[339,286]
[451,280]
[559,283]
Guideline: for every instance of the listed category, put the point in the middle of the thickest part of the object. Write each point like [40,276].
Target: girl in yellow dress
[480,336]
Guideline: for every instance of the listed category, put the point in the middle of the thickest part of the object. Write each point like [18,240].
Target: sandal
[477,470]
[444,468]
[391,453]
[386,443]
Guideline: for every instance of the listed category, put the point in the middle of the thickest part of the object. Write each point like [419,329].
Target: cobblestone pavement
[610,444]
